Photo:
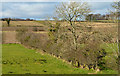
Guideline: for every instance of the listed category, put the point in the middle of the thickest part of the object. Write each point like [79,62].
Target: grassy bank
[20,60]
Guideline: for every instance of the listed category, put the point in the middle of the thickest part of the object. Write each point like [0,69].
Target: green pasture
[17,59]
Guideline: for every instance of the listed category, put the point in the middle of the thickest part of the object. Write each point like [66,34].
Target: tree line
[94,17]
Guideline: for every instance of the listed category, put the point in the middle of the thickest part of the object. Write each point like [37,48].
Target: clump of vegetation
[30,39]
[21,33]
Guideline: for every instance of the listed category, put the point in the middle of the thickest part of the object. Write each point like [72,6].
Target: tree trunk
[75,40]
[78,64]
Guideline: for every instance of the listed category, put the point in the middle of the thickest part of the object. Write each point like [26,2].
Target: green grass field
[19,60]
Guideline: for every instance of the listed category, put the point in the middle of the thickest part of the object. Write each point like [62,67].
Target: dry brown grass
[16,28]
[38,23]
[93,24]
[22,23]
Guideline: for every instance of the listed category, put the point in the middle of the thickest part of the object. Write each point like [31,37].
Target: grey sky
[42,10]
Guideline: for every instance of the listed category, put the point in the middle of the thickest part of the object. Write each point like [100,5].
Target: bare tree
[116,5]
[72,12]
[114,13]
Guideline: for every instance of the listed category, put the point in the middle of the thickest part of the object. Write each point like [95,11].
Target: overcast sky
[43,10]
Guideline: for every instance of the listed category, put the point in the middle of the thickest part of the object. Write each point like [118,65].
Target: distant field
[43,23]
[107,21]
[10,36]
[28,28]
[22,23]
[94,24]
[111,28]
